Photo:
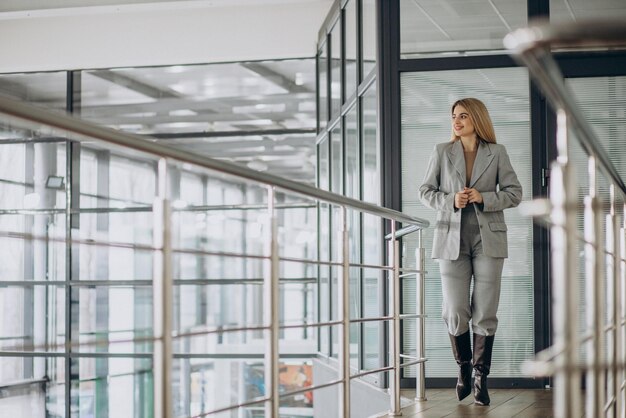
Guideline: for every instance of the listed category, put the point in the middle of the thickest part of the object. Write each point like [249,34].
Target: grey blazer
[492,175]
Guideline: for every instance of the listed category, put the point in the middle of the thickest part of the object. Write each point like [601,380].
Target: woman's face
[461,122]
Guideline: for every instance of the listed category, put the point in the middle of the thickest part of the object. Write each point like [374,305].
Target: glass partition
[426,101]
[457,27]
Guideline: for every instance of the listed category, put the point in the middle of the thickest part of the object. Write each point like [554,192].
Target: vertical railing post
[611,340]
[344,301]
[162,286]
[394,307]
[622,316]
[271,302]
[420,329]
[565,259]
[593,295]
[618,363]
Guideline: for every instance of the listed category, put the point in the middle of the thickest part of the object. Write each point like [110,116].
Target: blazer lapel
[484,157]
[457,158]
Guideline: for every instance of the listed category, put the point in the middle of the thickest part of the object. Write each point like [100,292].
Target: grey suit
[470,243]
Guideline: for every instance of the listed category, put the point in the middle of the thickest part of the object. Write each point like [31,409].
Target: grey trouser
[456,276]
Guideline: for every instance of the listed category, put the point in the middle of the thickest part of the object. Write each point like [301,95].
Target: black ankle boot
[462,350]
[483,347]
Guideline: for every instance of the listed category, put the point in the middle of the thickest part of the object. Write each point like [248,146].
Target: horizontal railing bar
[22,383]
[408,356]
[223,330]
[539,368]
[367,372]
[403,231]
[412,316]
[378,319]
[311,388]
[572,34]
[74,125]
[147,355]
[610,402]
[135,209]
[142,283]
[309,261]
[311,325]
[412,271]
[371,266]
[414,362]
[230,408]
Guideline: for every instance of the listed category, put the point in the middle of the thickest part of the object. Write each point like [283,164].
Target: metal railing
[605,341]
[22,115]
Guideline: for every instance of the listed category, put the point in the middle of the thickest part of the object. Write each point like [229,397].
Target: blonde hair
[480,118]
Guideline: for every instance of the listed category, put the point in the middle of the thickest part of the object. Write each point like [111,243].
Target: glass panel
[350,47]
[322,62]
[113,387]
[200,108]
[370,159]
[109,314]
[373,289]
[336,173]
[352,152]
[32,318]
[47,90]
[368,37]
[562,11]
[599,99]
[426,100]
[335,70]
[461,26]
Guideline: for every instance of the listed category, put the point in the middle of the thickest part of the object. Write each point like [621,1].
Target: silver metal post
[619,347]
[394,334]
[420,328]
[622,318]
[611,382]
[593,278]
[564,265]
[344,300]
[162,294]
[270,310]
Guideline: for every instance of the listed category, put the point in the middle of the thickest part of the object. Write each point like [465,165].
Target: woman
[469,182]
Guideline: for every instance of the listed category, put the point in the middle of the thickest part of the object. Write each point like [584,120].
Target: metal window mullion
[271,310]
[344,301]
[162,294]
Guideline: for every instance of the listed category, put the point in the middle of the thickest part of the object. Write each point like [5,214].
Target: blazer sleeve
[429,192]
[509,192]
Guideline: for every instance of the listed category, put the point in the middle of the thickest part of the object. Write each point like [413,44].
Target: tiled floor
[504,403]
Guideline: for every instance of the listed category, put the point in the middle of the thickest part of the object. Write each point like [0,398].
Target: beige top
[470,157]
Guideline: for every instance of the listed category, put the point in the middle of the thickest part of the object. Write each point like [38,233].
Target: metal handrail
[531,47]
[76,126]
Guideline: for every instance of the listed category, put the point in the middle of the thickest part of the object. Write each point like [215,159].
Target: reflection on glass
[351,161]
[564,11]
[199,108]
[370,152]
[335,70]
[350,47]
[428,27]
[336,174]
[368,37]
[41,89]
[322,63]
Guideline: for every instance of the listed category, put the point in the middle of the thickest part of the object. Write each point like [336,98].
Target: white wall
[182,32]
